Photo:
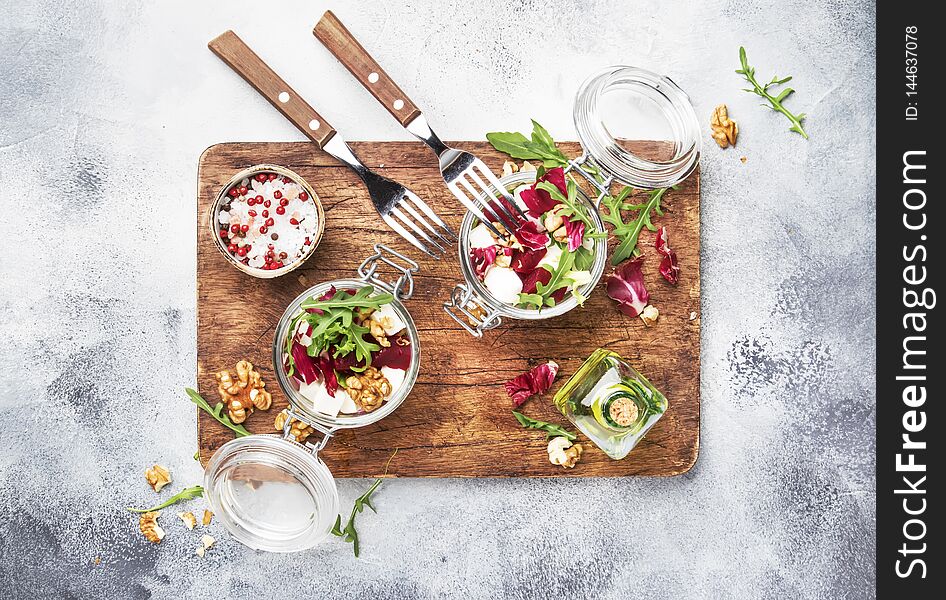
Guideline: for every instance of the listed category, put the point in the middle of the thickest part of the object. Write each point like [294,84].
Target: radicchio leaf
[626,285]
[395,356]
[575,230]
[304,363]
[327,367]
[537,380]
[493,207]
[530,236]
[668,266]
[526,261]
[482,258]
[539,201]
[529,281]
[348,362]
[326,296]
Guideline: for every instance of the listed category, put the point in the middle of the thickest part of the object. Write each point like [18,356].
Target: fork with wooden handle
[465,175]
[400,208]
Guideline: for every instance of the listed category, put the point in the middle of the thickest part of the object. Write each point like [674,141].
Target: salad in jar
[551,252]
[347,351]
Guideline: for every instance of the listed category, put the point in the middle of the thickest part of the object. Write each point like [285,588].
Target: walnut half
[368,389]
[297,429]
[244,393]
[148,524]
[725,129]
[157,477]
[563,452]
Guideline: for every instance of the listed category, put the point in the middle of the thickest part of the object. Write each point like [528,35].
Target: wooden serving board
[457,421]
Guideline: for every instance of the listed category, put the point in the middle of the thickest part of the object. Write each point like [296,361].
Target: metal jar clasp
[466,308]
[403,286]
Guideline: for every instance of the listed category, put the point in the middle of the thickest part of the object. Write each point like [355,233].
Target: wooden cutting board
[457,420]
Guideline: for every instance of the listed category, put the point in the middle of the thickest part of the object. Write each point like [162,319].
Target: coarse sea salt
[282,237]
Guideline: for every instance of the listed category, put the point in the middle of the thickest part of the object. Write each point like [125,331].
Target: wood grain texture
[457,420]
[340,42]
[241,58]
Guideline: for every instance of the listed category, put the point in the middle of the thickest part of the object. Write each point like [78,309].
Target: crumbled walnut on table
[649,315]
[563,452]
[725,129]
[148,524]
[243,394]
[190,521]
[208,516]
[297,429]
[157,477]
[368,389]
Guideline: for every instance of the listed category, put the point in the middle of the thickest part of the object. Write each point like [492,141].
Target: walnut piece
[243,394]
[509,168]
[527,166]
[560,234]
[502,259]
[553,221]
[199,551]
[157,477]
[297,429]
[368,389]
[208,516]
[649,315]
[190,521]
[148,524]
[572,456]
[206,541]
[377,332]
[725,129]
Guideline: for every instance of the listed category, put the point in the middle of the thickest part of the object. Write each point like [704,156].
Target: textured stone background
[105,108]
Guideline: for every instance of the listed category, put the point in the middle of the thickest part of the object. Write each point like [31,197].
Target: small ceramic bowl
[265,224]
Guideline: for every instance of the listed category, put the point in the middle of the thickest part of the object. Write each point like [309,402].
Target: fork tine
[417,230]
[482,194]
[472,206]
[430,213]
[493,181]
[408,204]
[407,236]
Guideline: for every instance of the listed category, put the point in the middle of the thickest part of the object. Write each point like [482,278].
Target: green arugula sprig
[774,102]
[571,206]
[558,280]
[540,147]
[629,232]
[185,494]
[551,430]
[349,534]
[335,327]
[216,412]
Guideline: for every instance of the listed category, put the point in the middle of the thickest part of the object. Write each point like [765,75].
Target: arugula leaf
[774,102]
[185,494]
[216,412]
[558,280]
[572,207]
[551,430]
[540,147]
[362,298]
[349,534]
[363,348]
[531,299]
[628,233]
[584,259]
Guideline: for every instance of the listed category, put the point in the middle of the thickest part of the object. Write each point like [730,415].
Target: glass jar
[473,306]
[273,493]
[611,403]
[222,199]
[635,127]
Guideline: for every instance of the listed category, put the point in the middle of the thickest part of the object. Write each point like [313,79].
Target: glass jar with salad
[545,268]
[611,403]
[346,353]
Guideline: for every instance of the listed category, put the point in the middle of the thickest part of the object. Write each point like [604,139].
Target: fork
[466,176]
[400,208]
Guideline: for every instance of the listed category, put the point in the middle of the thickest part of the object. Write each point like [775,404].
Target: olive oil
[611,403]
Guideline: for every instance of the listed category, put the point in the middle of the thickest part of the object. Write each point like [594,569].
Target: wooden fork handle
[346,49]
[234,51]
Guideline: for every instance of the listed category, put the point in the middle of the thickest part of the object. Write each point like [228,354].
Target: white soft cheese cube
[316,393]
[480,237]
[504,284]
[395,377]
[348,405]
[552,256]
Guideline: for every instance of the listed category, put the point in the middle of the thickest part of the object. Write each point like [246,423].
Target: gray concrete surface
[104,110]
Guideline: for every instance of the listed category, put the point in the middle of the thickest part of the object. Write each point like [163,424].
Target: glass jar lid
[271,493]
[637,126]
